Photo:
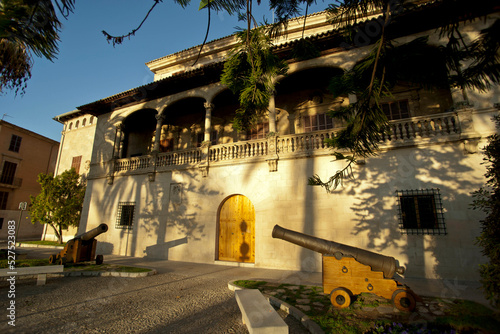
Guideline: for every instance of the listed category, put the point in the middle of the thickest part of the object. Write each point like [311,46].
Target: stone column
[116,143]
[272,115]
[208,120]
[468,134]
[159,124]
[121,140]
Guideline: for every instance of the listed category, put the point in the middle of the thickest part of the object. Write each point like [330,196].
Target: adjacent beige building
[24,155]
[77,140]
[174,180]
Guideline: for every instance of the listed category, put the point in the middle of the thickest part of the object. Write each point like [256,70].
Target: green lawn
[42,242]
[85,266]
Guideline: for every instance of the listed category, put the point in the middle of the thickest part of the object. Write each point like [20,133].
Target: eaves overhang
[171,85]
[332,40]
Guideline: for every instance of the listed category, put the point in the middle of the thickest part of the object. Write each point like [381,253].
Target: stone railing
[410,131]
[238,150]
[133,163]
[178,158]
[416,128]
[304,142]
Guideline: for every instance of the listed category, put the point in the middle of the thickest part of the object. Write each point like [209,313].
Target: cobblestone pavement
[164,303]
[182,298]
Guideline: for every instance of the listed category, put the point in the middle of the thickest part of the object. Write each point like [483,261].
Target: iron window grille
[8,172]
[125,216]
[420,212]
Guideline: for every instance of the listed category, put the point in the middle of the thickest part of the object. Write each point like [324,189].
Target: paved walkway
[447,288]
[426,287]
[183,298]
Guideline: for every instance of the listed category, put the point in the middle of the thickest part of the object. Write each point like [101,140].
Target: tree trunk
[58,234]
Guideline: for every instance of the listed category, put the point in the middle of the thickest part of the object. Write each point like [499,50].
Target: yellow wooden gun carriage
[81,248]
[349,271]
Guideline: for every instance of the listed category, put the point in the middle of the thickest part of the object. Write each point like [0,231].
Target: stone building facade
[174,180]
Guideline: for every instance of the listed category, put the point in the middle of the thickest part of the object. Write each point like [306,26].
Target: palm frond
[249,72]
[15,66]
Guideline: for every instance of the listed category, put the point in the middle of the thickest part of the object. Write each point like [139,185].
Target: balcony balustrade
[405,132]
[10,182]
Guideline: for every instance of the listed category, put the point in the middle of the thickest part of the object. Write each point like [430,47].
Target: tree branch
[119,39]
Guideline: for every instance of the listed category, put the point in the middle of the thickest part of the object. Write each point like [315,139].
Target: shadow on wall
[377,218]
[160,251]
[104,248]
[171,213]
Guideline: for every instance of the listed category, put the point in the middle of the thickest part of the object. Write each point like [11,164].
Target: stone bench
[257,314]
[40,271]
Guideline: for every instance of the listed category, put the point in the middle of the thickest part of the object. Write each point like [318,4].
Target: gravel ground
[163,303]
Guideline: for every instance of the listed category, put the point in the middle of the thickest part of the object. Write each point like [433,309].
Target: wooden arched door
[237,230]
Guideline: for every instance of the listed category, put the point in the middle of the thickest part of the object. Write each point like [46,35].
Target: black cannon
[349,271]
[81,248]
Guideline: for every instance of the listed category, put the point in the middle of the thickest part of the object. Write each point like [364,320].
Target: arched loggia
[137,133]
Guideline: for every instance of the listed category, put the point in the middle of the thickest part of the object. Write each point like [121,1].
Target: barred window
[8,172]
[125,216]
[15,143]
[396,110]
[420,212]
[317,122]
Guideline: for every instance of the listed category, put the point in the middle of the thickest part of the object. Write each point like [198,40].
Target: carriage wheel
[62,260]
[340,297]
[404,300]
[53,259]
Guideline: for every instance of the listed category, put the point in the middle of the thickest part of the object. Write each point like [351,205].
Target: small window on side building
[76,163]
[15,143]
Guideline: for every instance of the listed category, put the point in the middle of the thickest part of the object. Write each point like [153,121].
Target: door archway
[237,230]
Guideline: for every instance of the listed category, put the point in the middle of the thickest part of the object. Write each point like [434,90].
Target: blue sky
[88,68]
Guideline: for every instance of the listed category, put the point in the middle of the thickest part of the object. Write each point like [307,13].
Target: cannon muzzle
[377,262]
[93,233]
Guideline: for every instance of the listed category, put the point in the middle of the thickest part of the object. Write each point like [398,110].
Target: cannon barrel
[377,262]
[93,233]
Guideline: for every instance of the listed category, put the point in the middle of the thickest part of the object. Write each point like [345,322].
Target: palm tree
[27,28]
[389,63]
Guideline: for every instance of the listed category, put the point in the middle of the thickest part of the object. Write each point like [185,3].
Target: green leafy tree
[27,27]
[59,202]
[487,199]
